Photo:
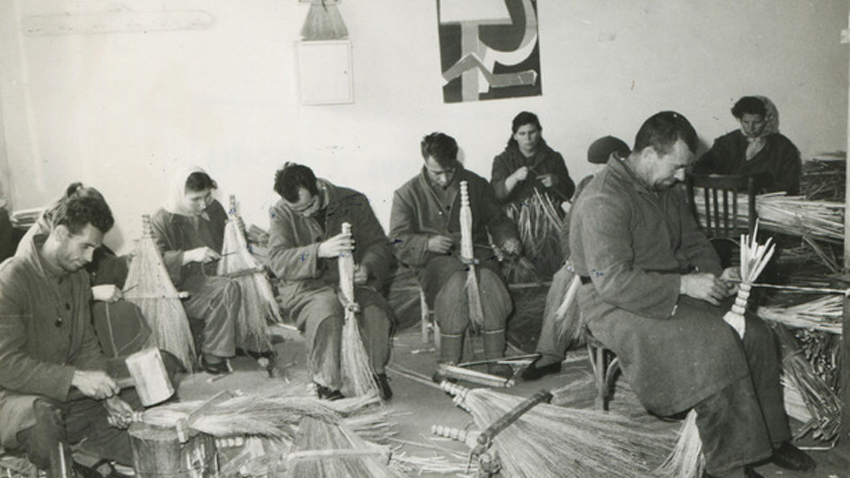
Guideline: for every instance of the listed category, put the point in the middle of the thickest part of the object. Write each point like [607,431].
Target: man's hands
[120,414]
[520,174]
[94,384]
[201,254]
[107,293]
[705,286]
[336,245]
[511,246]
[440,244]
[548,179]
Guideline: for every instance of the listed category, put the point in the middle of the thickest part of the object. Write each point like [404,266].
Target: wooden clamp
[184,425]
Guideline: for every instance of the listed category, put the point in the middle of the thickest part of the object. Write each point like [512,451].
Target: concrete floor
[417,405]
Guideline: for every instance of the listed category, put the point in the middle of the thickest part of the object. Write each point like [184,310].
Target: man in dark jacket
[305,241]
[425,229]
[654,292]
[54,389]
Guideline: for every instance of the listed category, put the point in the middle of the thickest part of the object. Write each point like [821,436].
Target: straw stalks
[754,258]
[149,287]
[686,460]
[467,254]
[344,454]
[551,441]
[259,305]
[568,315]
[357,373]
[824,314]
[539,225]
[823,404]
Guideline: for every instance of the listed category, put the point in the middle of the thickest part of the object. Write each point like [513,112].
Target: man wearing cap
[653,291]
[560,325]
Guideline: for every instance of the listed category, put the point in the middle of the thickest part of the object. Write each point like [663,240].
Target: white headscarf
[771,119]
[177,190]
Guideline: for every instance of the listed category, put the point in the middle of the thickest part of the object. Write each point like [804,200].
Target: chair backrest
[715,203]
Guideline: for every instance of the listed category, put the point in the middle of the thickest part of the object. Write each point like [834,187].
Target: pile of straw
[149,286]
[258,306]
[824,314]
[540,226]
[552,441]
[824,177]
[822,402]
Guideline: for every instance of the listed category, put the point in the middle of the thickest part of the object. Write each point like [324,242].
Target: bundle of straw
[330,449]
[686,460]
[357,372]
[149,287]
[822,402]
[259,305]
[824,314]
[323,22]
[797,215]
[824,177]
[568,315]
[539,225]
[467,254]
[551,441]
[754,258]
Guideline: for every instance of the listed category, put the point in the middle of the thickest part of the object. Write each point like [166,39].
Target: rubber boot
[451,348]
[494,348]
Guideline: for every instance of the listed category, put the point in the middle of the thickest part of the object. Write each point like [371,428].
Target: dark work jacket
[544,161]
[777,167]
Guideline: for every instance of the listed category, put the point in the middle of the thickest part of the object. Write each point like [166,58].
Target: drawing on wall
[489,49]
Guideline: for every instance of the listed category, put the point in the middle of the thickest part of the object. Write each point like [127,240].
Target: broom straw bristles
[357,373]
[149,287]
[686,460]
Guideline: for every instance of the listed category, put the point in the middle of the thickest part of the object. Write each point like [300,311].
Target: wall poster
[489,49]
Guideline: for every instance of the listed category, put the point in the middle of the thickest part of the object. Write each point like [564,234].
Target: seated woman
[528,164]
[757,149]
[189,231]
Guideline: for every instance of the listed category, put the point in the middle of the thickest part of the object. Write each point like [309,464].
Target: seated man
[563,327]
[54,389]
[757,149]
[305,240]
[425,228]
[652,290]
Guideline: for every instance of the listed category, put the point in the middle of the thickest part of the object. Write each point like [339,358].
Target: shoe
[792,458]
[501,370]
[329,394]
[749,472]
[533,372]
[214,368]
[384,386]
[268,354]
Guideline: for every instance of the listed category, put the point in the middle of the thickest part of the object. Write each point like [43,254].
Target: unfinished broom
[551,441]
[754,258]
[357,373]
[258,306]
[467,254]
[149,287]
[568,315]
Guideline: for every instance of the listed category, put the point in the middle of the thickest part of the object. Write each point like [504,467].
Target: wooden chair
[605,365]
[718,209]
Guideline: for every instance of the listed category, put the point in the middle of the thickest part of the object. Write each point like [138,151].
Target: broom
[357,373]
[149,287]
[551,441]
[476,311]
[754,258]
[259,305]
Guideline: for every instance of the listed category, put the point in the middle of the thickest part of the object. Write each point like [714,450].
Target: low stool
[605,365]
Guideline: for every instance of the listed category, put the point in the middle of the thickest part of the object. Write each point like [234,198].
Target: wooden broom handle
[486,437]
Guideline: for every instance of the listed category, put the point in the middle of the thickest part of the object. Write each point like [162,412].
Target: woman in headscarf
[757,149]
[189,231]
[528,164]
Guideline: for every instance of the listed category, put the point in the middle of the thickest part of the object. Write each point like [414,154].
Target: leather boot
[494,348]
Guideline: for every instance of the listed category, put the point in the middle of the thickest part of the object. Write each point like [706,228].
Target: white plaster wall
[122,111]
